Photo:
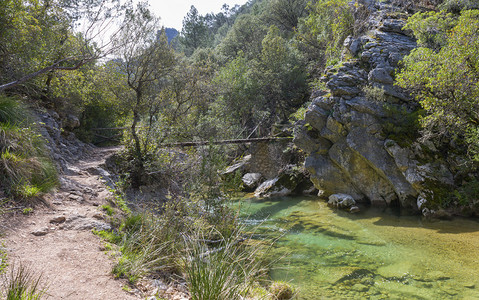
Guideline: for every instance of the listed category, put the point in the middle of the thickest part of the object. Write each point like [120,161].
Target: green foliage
[431,28]
[467,193]
[402,126]
[39,37]
[446,81]
[12,112]
[239,98]
[285,14]
[119,197]
[108,209]
[22,283]
[188,238]
[195,32]
[244,38]
[456,6]
[25,168]
[326,27]
[27,211]
[299,114]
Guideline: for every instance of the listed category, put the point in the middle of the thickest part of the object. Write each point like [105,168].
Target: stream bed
[330,254]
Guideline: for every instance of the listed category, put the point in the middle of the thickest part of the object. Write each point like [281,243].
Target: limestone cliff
[359,133]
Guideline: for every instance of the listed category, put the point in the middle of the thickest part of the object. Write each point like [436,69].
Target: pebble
[40,232]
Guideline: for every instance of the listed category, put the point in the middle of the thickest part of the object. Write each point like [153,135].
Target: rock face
[63,146]
[352,135]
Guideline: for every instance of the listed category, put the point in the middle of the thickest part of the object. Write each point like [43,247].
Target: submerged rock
[395,271]
[341,201]
[354,209]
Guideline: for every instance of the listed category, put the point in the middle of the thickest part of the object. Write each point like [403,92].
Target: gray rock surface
[341,201]
[349,148]
[251,180]
[271,188]
[64,147]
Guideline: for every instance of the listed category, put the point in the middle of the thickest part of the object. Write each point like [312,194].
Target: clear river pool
[331,254]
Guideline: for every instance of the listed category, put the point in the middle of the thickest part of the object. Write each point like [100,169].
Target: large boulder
[289,180]
[346,134]
[272,188]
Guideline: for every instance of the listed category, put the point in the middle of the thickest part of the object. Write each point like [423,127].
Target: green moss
[438,195]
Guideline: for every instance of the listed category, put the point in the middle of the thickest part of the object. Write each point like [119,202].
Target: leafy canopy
[446,81]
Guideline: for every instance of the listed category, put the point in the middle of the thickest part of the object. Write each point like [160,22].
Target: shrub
[217,260]
[374,93]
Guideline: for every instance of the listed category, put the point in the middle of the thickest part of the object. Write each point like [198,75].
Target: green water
[331,254]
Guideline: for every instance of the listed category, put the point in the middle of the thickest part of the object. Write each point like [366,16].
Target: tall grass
[25,168]
[22,283]
[228,271]
[215,261]
[147,247]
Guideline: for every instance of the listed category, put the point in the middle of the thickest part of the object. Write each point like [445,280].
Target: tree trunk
[139,169]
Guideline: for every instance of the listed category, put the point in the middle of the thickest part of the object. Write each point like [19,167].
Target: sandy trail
[59,242]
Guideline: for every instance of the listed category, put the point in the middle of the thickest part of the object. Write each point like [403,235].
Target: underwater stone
[341,200]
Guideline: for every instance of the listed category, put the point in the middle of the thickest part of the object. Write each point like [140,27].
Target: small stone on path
[58,220]
[41,231]
[75,197]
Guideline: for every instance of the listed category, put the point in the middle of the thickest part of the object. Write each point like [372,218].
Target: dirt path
[59,241]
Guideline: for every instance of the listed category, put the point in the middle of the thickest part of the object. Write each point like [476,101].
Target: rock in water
[341,201]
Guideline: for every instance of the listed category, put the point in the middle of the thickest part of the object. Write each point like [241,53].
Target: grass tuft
[229,271]
[22,283]
[25,167]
